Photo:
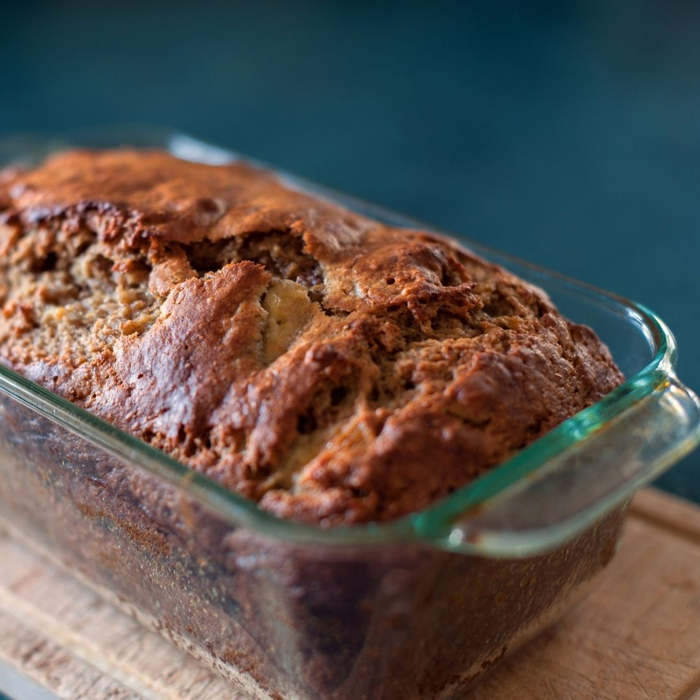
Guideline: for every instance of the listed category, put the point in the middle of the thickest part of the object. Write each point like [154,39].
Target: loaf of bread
[332,368]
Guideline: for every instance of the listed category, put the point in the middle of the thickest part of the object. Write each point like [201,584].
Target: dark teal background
[568,135]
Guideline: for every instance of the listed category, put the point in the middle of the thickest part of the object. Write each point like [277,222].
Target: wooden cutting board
[636,636]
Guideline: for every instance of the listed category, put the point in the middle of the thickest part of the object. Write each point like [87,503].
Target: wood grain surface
[636,636]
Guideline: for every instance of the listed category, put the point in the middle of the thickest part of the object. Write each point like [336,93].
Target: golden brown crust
[332,368]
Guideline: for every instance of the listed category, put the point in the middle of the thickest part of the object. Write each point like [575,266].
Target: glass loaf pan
[417,607]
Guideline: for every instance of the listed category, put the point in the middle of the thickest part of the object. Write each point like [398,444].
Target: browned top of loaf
[334,369]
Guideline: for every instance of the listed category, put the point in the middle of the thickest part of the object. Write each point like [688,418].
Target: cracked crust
[333,369]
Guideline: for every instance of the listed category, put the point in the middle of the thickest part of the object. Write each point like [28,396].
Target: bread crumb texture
[333,369]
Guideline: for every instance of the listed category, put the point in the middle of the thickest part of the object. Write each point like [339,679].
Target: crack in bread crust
[334,369]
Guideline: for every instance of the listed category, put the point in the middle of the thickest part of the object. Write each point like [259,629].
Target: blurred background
[567,134]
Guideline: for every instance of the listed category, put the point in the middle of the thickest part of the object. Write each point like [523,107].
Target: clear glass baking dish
[420,606]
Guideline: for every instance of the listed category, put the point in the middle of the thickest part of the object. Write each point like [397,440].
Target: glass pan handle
[578,486]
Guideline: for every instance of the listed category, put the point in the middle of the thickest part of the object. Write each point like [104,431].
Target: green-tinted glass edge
[428,522]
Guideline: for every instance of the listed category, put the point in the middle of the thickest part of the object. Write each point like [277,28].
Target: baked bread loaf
[333,369]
